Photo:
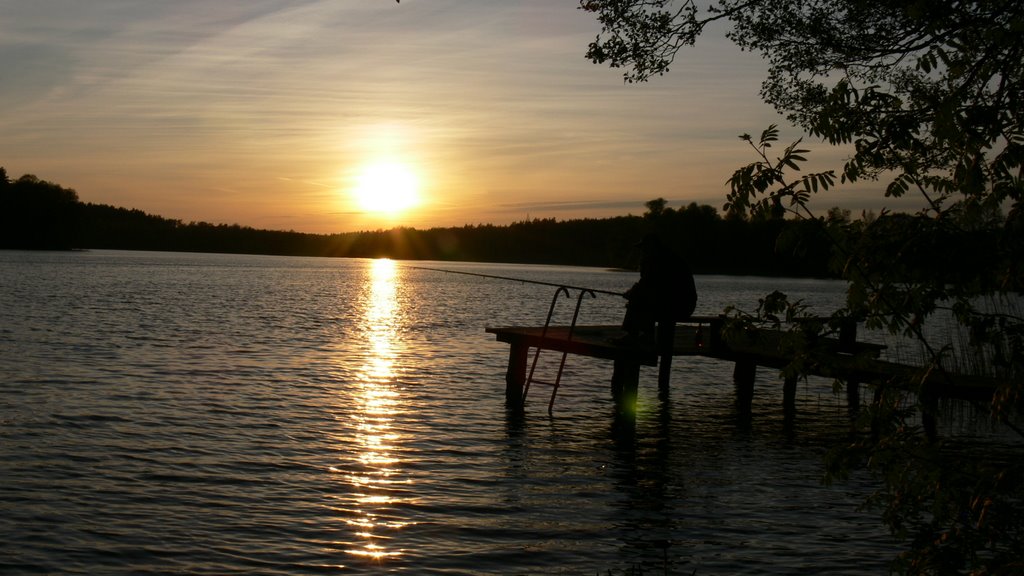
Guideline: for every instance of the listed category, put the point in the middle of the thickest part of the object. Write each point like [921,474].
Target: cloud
[30,72]
[165,105]
[575,206]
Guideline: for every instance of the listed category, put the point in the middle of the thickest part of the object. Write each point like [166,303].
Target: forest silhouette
[38,214]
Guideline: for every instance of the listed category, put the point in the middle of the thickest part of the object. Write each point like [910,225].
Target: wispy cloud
[261,111]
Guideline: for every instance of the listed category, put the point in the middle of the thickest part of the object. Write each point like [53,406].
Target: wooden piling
[515,375]
[625,382]
[665,343]
[789,395]
[853,398]
[743,376]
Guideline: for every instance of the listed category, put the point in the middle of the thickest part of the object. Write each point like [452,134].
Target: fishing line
[524,280]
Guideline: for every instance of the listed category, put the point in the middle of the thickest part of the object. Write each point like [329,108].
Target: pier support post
[848,345]
[929,413]
[515,375]
[876,402]
[789,395]
[853,398]
[743,376]
[665,341]
[625,380]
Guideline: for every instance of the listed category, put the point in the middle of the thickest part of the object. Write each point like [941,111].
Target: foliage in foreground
[927,97]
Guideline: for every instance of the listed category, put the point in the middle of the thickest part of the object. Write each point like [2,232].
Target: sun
[386,188]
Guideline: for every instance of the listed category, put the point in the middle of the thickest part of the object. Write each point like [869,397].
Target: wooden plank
[592,341]
[515,375]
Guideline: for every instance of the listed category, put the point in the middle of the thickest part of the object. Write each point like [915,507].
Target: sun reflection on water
[374,478]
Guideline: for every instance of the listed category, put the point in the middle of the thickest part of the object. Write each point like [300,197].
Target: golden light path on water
[374,479]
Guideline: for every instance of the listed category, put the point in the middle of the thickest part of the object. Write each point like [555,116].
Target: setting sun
[386,187]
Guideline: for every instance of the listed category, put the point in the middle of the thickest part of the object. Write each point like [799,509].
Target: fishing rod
[524,280]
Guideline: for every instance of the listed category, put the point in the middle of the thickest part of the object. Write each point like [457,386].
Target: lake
[166,413]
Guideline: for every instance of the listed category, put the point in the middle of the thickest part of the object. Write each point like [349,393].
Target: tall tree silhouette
[35,214]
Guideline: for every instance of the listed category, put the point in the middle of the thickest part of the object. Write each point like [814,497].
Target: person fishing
[664,295]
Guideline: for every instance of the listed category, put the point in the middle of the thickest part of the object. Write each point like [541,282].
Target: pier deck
[843,357]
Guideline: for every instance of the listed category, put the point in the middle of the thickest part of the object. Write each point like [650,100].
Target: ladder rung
[535,381]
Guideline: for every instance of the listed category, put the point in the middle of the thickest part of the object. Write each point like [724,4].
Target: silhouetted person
[664,295]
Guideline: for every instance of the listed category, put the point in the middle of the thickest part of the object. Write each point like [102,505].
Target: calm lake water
[217,414]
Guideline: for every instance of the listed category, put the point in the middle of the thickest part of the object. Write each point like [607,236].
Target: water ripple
[213,414]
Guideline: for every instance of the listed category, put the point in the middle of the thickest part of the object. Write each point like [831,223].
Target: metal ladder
[561,365]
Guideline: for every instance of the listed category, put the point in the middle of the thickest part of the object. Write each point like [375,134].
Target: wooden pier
[842,357]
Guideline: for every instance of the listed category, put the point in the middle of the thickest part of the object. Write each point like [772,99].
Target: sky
[271,114]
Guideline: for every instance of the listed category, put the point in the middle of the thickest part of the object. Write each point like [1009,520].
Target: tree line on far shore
[37,214]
